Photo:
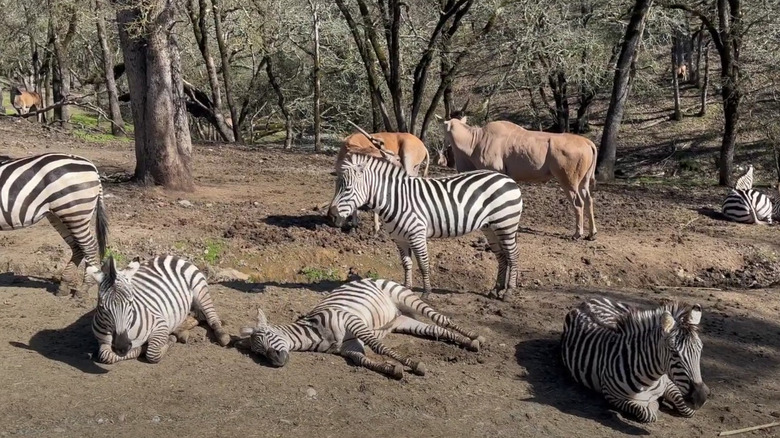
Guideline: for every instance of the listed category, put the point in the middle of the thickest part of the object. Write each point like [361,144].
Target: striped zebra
[357,314]
[414,209]
[749,206]
[634,357]
[148,304]
[66,190]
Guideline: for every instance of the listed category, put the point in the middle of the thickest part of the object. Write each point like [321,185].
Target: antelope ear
[694,318]
[464,119]
[262,321]
[667,322]
[95,273]
[439,118]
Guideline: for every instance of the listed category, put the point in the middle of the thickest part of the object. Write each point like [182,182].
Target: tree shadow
[27,282]
[73,345]
[550,386]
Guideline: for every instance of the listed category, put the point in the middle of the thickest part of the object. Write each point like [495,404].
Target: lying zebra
[634,357]
[66,190]
[414,209]
[749,206]
[357,314]
[148,304]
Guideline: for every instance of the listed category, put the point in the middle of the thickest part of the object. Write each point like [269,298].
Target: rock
[156,419]
[230,274]
[185,203]
[101,420]
[311,392]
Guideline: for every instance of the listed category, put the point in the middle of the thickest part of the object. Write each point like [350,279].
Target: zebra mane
[370,162]
[678,310]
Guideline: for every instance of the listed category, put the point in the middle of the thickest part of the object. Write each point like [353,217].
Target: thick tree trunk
[227,75]
[117,124]
[62,76]
[731,98]
[605,168]
[706,83]
[162,140]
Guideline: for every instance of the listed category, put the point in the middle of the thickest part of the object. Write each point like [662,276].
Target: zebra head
[266,341]
[683,348]
[115,302]
[351,189]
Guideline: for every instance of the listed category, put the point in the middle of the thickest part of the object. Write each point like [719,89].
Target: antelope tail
[427,162]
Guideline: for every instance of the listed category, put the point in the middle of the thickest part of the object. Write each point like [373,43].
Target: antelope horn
[465,105]
[369,136]
[375,141]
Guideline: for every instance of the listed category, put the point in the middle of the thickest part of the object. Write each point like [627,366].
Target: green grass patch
[372,274]
[213,251]
[314,275]
[119,258]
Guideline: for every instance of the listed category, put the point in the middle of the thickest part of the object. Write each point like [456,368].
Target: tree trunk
[677,115]
[163,147]
[699,47]
[226,69]
[558,86]
[117,124]
[316,77]
[706,84]
[281,101]
[605,169]
[62,76]
[731,98]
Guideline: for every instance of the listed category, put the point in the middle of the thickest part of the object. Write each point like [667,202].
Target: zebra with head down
[634,357]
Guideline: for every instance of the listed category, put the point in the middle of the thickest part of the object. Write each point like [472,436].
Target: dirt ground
[255,211]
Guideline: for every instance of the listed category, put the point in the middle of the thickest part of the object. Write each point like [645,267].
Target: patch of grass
[97,137]
[213,251]
[314,275]
[119,258]
[84,119]
[372,274]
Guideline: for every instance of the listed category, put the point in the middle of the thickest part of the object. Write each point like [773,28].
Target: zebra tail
[101,225]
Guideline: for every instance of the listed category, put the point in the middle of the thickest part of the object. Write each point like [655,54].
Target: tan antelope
[23,101]
[526,156]
[682,72]
[400,148]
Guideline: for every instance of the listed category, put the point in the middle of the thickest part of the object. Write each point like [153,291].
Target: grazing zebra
[414,209]
[634,357]
[357,314]
[66,190]
[149,303]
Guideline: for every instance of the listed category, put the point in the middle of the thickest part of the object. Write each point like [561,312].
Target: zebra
[356,314]
[66,190]
[148,304]
[749,206]
[634,357]
[414,209]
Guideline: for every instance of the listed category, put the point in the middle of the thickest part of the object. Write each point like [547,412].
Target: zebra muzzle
[698,396]
[121,344]
[278,358]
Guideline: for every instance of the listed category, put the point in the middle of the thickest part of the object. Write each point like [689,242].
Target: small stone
[502,345]
[101,420]
[256,204]
[311,392]
[55,430]
[185,203]
[209,204]
[156,419]
[122,418]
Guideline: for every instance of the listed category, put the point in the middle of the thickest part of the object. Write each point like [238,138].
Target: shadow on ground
[11,279]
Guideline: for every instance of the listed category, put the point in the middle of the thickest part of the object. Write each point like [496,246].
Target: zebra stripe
[745,182]
[150,304]
[414,209]
[358,314]
[634,357]
[750,207]
[65,189]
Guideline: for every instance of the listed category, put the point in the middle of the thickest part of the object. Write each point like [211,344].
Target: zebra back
[748,206]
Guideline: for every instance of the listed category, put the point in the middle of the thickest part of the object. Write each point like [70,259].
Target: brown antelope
[682,72]
[23,101]
[400,148]
[526,156]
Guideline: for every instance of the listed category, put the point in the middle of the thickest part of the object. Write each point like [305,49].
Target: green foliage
[213,251]
[314,275]
[119,258]
[372,274]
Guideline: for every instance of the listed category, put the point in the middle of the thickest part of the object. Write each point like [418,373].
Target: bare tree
[274,81]
[316,77]
[605,168]
[706,84]
[117,124]
[677,115]
[61,43]
[227,75]
[163,146]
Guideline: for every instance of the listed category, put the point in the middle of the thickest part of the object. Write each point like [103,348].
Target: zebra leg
[643,413]
[70,279]
[419,247]
[358,328]
[410,304]
[495,247]
[508,241]
[159,343]
[673,395]
[182,332]
[406,261]
[106,356]
[205,305]
[410,326]
[354,351]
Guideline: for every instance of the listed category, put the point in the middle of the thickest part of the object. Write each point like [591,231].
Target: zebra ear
[246,331]
[109,269]
[262,321]
[667,322]
[694,318]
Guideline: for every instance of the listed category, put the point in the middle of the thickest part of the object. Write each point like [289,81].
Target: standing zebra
[749,206]
[66,190]
[357,314]
[150,303]
[414,209]
[634,357]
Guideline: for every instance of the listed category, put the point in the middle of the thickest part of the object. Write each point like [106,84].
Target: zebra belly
[9,221]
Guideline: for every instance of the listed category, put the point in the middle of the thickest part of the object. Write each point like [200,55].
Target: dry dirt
[254,211]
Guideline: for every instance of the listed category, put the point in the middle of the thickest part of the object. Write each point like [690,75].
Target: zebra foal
[66,190]
[634,357]
[148,304]
[358,314]
[414,209]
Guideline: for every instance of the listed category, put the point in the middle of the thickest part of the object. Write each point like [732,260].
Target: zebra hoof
[418,368]
[475,344]
[223,338]
[397,372]
[182,336]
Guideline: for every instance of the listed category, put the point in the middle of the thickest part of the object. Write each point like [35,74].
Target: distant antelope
[682,72]
[24,101]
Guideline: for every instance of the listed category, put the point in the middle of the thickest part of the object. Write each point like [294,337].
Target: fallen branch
[101,113]
[69,100]
[750,429]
